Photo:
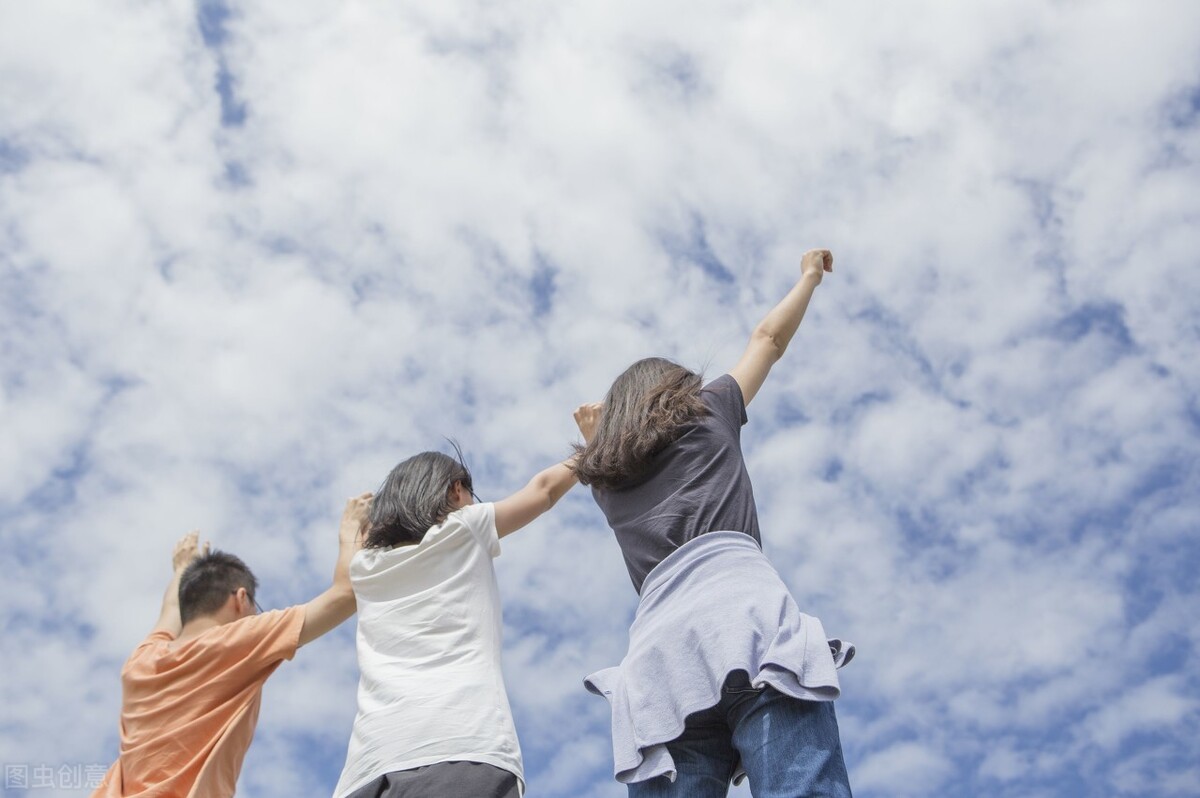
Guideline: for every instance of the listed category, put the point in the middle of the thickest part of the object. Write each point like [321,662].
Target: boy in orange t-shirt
[191,690]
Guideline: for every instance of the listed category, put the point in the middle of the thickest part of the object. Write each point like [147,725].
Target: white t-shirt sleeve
[481,520]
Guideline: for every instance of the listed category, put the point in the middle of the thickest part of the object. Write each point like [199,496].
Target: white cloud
[903,769]
[465,218]
[1159,703]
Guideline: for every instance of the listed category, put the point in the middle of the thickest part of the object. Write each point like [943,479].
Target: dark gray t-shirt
[698,484]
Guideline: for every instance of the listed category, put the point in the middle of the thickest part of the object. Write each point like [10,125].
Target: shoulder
[475,523]
[721,387]
[480,519]
[151,646]
[723,396]
[480,513]
[157,636]
[242,647]
[272,619]
[248,631]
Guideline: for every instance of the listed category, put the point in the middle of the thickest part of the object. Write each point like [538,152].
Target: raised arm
[327,611]
[546,487]
[773,334]
[186,550]
[542,493]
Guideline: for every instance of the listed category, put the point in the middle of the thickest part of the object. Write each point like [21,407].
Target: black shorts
[443,780]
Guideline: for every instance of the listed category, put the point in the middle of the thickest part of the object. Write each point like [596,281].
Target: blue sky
[252,258]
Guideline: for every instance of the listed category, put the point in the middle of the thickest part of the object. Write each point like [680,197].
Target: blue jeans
[789,748]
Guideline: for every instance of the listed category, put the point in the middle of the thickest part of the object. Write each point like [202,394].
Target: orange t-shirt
[188,712]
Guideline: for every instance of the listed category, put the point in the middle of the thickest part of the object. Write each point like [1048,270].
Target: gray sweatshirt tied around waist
[714,606]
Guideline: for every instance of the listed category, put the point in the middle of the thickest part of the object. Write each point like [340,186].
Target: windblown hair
[414,497]
[208,581]
[645,410]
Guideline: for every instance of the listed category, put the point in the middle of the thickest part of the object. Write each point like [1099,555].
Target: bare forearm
[780,324]
[554,482]
[538,496]
[326,612]
[168,616]
[170,602]
[348,545]
[341,570]
[186,550]
[771,337]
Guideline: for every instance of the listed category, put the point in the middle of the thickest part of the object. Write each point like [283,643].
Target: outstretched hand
[187,549]
[355,519]
[816,262]
[587,417]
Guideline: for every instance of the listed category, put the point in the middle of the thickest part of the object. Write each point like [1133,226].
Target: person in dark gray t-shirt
[725,675]
[697,484]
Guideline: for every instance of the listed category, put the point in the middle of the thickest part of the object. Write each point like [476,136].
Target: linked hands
[587,418]
[355,520]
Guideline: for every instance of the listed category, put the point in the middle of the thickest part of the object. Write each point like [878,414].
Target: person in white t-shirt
[433,715]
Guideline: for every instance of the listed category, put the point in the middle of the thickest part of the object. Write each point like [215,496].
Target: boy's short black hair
[208,581]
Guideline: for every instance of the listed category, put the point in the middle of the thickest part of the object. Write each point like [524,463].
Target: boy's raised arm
[186,550]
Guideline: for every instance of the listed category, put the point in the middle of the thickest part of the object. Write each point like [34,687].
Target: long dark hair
[645,410]
[414,497]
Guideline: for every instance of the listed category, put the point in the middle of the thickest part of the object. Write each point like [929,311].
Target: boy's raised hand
[188,549]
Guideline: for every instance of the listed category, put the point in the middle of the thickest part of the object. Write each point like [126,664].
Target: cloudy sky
[250,258]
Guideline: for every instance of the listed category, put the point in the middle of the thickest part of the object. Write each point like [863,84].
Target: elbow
[766,339]
[546,499]
[544,488]
[341,592]
[345,603]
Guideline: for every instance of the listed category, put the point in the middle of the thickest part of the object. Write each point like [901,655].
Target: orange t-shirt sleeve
[156,636]
[264,639]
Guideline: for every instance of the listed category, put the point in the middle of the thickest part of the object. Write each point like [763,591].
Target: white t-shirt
[429,629]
